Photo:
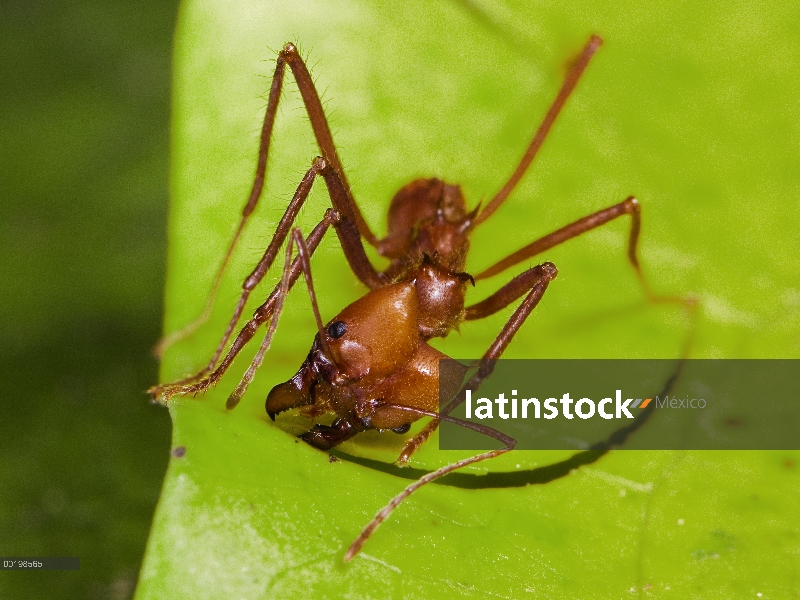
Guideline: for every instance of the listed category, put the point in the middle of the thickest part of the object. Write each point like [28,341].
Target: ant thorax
[428,242]
[440,298]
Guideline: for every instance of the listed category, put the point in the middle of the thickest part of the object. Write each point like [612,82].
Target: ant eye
[337,329]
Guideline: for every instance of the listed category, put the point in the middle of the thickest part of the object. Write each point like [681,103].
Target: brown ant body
[372,365]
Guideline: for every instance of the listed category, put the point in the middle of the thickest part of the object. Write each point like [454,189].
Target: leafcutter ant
[371,365]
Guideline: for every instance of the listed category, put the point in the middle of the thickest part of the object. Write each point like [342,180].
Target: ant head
[369,340]
[375,334]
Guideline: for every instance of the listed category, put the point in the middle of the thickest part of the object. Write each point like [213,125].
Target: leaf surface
[693,112]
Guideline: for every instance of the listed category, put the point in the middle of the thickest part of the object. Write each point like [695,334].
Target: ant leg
[356,257]
[536,281]
[303,256]
[325,437]
[289,55]
[575,72]
[384,513]
[511,291]
[282,291]
[629,206]
[354,252]
[252,280]
[415,443]
[262,314]
[345,229]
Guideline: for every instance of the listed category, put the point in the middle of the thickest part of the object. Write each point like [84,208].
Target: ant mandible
[372,365]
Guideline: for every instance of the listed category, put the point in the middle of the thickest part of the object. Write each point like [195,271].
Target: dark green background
[84,151]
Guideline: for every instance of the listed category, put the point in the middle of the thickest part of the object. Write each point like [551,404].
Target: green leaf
[691,109]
